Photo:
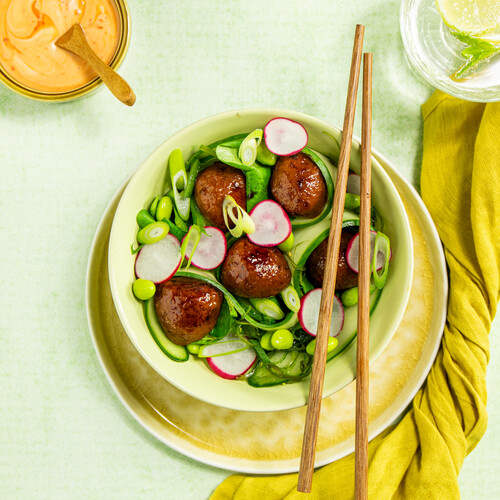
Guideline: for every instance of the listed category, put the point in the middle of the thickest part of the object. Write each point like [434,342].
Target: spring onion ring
[291,298]
[382,245]
[153,232]
[243,223]
[247,151]
[268,307]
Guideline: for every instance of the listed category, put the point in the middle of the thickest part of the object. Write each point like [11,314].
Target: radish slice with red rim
[285,137]
[229,364]
[353,184]
[272,224]
[309,313]
[352,253]
[210,250]
[159,261]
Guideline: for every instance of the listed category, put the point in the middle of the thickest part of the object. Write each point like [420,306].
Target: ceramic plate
[270,443]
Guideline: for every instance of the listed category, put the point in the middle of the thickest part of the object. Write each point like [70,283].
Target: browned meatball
[211,187]
[297,184]
[255,272]
[187,309]
[315,265]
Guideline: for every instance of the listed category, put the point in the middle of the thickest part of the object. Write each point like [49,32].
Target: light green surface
[64,433]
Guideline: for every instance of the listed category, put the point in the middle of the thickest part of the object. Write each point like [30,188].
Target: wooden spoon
[74,41]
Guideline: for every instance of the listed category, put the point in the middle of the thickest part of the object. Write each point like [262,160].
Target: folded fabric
[421,456]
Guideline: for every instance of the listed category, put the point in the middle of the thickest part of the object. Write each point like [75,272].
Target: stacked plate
[270,442]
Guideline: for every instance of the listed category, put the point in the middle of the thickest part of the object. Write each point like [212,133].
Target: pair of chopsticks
[329,279]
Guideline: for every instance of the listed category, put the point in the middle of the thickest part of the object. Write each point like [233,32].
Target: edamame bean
[164,208]
[350,297]
[287,245]
[143,289]
[265,156]
[282,339]
[332,344]
[352,201]
[265,342]
[193,348]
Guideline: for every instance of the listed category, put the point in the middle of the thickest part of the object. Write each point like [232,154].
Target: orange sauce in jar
[29,28]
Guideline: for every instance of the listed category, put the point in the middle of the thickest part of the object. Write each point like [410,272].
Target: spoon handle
[79,46]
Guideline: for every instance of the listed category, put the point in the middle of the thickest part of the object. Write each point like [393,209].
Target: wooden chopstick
[330,276]
[362,370]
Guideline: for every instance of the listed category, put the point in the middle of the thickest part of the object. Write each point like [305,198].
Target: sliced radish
[210,251]
[285,137]
[159,261]
[231,365]
[353,184]
[352,252]
[309,313]
[272,225]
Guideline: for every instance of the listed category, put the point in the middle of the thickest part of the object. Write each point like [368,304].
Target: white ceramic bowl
[194,377]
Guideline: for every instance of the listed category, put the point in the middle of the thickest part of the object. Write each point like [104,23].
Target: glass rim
[486,94]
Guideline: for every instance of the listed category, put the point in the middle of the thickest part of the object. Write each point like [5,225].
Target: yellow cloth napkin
[422,455]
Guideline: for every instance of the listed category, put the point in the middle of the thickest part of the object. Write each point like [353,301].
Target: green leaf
[478,50]
[257,181]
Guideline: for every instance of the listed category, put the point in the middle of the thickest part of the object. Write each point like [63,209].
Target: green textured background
[63,432]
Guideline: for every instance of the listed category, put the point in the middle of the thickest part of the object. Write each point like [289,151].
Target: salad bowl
[193,376]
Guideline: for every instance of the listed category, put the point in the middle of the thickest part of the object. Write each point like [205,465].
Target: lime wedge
[473,17]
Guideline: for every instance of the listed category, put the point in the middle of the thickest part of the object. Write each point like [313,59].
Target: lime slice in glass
[473,17]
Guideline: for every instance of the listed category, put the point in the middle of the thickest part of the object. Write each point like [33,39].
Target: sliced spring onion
[144,218]
[268,307]
[178,178]
[175,230]
[190,243]
[135,250]
[265,156]
[153,232]
[243,223]
[287,245]
[181,202]
[154,204]
[164,208]
[176,165]
[179,221]
[383,246]
[291,298]
[193,173]
[247,151]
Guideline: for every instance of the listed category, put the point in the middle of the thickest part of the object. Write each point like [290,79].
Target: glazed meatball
[315,265]
[211,187]
[298,185]
[187,309]
[255,272]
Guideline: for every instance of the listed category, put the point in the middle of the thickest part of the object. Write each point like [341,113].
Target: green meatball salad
[230,256]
